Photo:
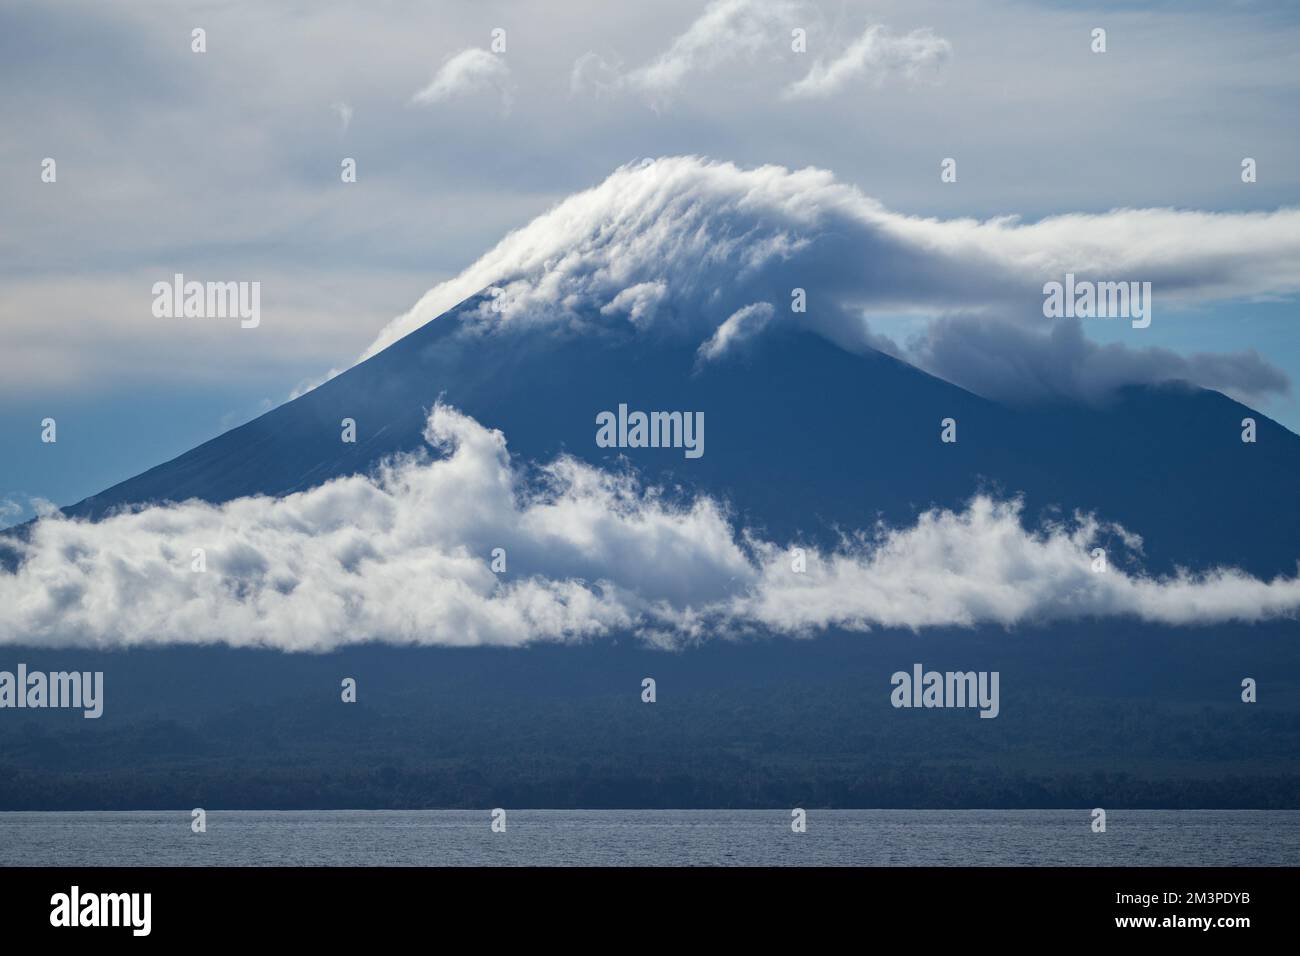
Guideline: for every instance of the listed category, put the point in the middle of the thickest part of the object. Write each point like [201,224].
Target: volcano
[834,516]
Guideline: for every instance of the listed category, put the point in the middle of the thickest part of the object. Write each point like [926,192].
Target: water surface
[653,838]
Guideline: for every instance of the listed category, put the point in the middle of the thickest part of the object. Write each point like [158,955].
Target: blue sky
[225,165]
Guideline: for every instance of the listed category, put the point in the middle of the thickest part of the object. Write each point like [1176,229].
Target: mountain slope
[801,437]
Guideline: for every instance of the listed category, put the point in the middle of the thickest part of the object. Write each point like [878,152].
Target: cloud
[470,71]
[1005,361]
[982,566]
[739,326]
[637,302]
[726,31]
[338,563]
[403,556]
[877,54]
[677,246]
[742,31]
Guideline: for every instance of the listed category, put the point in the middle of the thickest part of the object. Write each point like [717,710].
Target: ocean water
[653,838]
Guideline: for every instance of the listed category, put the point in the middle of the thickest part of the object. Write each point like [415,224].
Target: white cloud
[637,302]
[709,238]
[744,31]
[739,326]
[470,71]
[726,31]
[877,55]
[403,556]
[982,566]
[400,556]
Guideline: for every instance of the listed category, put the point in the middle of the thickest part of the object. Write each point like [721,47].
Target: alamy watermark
[75,908]
[923,688]
[1085,299]
[651,430]
[73,689]
[179,299]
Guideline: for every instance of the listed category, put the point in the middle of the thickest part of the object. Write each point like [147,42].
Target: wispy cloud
[727,31]
[743,31]
[470,71]
[739,326]
[876,55]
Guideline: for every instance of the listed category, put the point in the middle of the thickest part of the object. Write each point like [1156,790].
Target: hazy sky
[225,166]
